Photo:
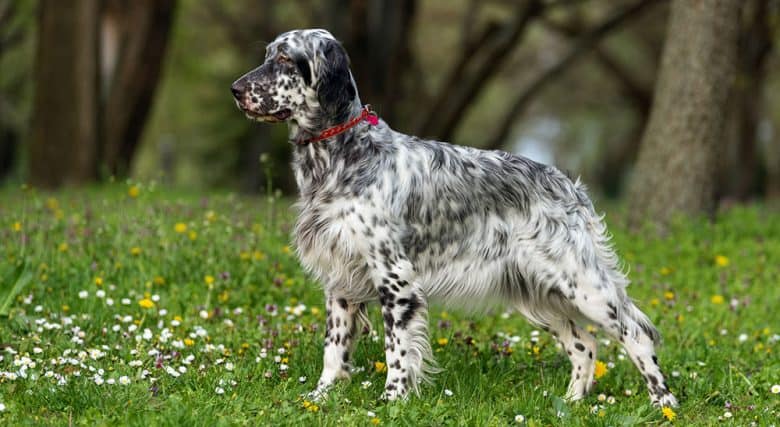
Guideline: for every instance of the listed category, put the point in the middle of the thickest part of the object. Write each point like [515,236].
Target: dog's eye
[283,59]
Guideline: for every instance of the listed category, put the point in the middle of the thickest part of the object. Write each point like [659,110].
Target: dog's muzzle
[253,110]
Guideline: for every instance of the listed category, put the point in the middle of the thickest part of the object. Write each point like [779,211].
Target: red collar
[365,114]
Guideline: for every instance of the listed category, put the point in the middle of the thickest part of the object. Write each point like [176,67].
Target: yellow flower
[286,249]
[665,271]
[211,216]
[601,369]
[193,235]
[717,299]
[133,191]
[536,350]
[209,280]
[63,247]
[669,413]
[380,367]
[146,303]
[443,341]
[17,226]
[258,256]
[315,311]
[180,227]
[99,281]
[669,295]
[65,308]
[721,261]
[189,342]
[375,421]
[135,251]
[654,302]
[223,296]
[178,319]
[602,413]
[243,255]
[158,280]
[52,204]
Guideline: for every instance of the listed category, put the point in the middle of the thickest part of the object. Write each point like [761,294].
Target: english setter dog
[396,219]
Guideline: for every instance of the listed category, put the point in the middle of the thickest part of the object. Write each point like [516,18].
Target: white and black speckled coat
[392,218]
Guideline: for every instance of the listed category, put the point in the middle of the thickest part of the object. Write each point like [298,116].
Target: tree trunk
[63,145]
[143,32]
[676,170]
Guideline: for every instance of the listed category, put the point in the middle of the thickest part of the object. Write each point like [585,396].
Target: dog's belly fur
[486,260]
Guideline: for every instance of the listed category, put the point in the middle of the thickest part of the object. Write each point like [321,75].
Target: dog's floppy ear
[335,90]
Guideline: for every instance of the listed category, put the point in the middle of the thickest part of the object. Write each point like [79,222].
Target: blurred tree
[135,38]
[742,168]
[63,147]
[89,109]
[676,170]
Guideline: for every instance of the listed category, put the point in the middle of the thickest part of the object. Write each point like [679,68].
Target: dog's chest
[332,240]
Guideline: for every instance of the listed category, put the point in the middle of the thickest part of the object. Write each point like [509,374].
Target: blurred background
[96,90]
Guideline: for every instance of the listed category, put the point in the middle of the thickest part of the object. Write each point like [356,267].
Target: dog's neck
[314,162]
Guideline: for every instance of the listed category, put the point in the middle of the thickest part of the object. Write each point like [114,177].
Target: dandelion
[99,281]
[442,341]
[209,280]
[717,299]
[668,413]
[189,342]
[668,295]
[63,247]
[601,369]
[375,421]
[519,418]
[192,235]
[180,227]
[146,303]
[17,226]
[665,271]
[135,251]
[133,191]
[158,280]
[721,261]
[775,389]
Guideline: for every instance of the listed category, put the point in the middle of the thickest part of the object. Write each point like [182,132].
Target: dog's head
[305,79]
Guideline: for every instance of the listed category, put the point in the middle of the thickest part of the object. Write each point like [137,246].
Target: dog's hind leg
[581,347]
[340,333]
[626,323]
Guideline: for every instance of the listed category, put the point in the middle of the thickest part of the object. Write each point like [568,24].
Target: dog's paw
[666,400]
[317,395]
[394,393]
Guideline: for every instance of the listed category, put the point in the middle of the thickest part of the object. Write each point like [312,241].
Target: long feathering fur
[392,218]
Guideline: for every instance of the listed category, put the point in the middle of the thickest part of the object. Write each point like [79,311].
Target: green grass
[105,244]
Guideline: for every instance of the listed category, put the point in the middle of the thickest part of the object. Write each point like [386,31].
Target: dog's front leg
[340,333]
[405,313]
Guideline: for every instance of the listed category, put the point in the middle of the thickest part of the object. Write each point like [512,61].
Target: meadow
[130,304]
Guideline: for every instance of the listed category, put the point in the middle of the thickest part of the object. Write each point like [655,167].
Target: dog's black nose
[238,90]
